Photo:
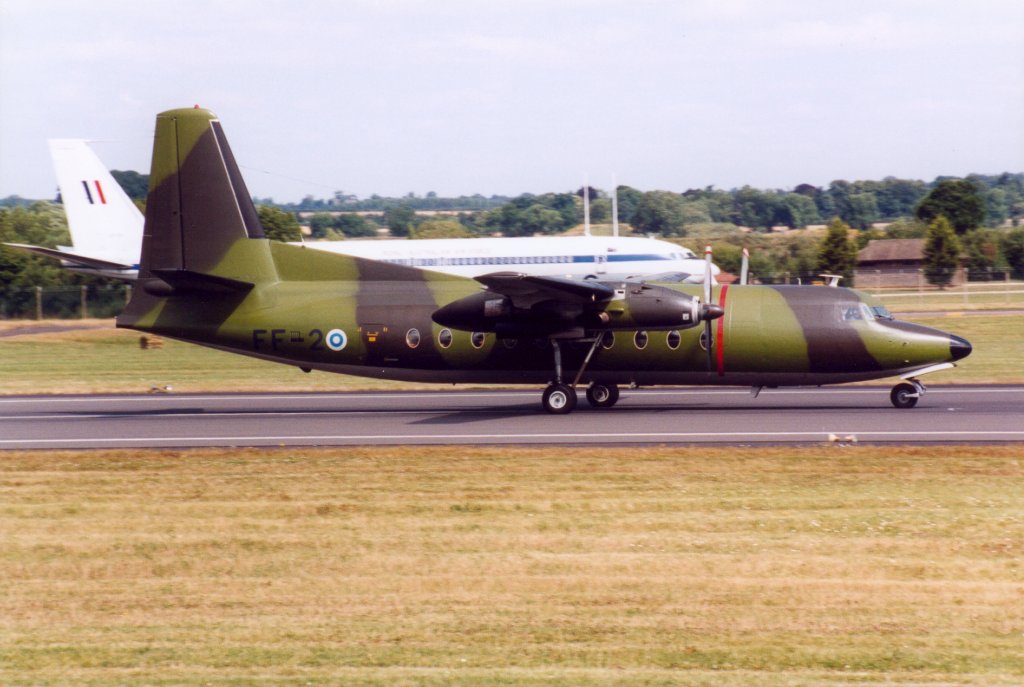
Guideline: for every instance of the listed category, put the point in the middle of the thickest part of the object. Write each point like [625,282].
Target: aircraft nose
[958,347]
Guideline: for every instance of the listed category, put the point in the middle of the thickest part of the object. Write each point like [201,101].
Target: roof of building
[892,250]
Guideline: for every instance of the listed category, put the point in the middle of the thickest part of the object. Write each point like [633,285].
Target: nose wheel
[906,394]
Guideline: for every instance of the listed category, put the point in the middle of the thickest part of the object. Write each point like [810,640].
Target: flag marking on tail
[99,192]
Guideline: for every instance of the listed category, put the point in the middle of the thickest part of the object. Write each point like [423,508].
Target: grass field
[110,360]
[440,566]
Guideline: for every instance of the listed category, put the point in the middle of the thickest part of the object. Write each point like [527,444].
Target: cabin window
[640,340]
[412,338]
[444,337]
[673,339]
[477,339]
[608,340]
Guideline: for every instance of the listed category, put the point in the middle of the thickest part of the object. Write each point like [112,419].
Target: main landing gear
[560,398]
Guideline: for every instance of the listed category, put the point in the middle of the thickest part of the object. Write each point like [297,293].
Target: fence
[63,302]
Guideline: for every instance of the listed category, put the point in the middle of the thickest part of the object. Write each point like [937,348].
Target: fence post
[967,293]
[39,302]
[85,312]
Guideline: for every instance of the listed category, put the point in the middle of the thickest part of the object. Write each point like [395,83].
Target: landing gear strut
[560,398]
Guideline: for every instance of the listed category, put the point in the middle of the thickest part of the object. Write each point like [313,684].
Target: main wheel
[602,395]
[559,399]
[904,395]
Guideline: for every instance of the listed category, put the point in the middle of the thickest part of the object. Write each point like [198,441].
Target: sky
[506,97]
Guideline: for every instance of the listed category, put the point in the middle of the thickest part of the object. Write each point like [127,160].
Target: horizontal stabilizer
[84,261]
[188,280]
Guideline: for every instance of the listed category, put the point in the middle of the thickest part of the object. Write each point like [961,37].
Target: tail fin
[103,220]
[199,215]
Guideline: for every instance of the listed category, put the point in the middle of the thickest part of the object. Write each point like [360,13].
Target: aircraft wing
[73,258]
[526,290]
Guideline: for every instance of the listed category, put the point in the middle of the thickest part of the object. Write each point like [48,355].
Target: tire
[602,395]
[559,399]
[904,395]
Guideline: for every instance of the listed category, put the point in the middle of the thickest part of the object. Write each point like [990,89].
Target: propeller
[745,267]
[708,311]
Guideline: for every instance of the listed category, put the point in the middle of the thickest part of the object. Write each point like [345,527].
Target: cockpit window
[850,312]
[881,312]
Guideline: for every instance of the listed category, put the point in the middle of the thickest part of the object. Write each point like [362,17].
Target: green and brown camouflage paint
[209,276]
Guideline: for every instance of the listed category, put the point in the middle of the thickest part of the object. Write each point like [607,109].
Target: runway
[950,414]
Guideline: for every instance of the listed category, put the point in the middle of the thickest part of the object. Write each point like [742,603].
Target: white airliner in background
[106,230]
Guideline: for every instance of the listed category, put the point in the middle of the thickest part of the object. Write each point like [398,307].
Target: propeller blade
[706,309]
[745,267]
[707,274]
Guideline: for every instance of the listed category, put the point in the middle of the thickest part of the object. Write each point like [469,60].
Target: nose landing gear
[906,394]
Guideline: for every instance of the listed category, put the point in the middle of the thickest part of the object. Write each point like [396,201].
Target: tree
[755,208]
[353,225]
[1013,251]
[601,211]
[538,219]
[134,184]
[627,199]
[941,252]
[984,257]
[321,225]
[440,229]
[279,225]
[801,209]
[399,219]
[837,253]
[863,210]
[660,212]
[956,199]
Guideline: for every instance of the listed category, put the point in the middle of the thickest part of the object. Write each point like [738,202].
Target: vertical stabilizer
[103,221]
[199,215]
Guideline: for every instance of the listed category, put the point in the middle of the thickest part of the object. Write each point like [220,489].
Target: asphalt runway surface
[670,416]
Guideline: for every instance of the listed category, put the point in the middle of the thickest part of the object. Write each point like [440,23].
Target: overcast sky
[503,97]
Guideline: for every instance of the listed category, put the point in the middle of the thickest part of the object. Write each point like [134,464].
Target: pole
[85,311]
[586,206]
[615,207]
[39,302]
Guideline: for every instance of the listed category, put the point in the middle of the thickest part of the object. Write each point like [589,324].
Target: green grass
[447,566]
[109,360]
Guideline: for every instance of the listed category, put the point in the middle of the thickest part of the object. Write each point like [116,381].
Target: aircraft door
[375,338]
[601,262]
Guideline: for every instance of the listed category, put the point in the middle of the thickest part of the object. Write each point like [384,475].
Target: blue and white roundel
[336,339]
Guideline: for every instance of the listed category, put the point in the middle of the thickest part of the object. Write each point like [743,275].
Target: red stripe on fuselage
[720,335]
[99,190]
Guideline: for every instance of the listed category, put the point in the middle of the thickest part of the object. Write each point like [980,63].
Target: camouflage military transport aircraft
[209,276]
